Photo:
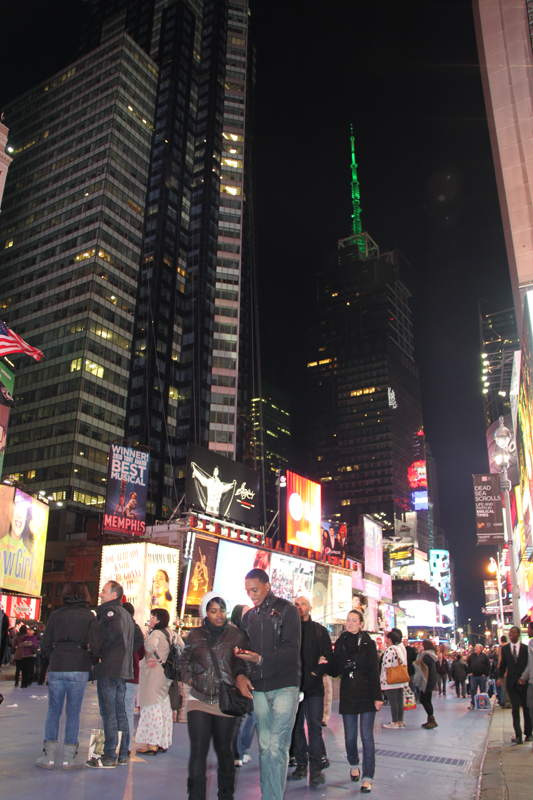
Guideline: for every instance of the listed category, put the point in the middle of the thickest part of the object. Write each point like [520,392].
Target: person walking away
[71,643]
[443,671]
[133,685]
[316,655]
[513,664]
[459,671]
[215,639]
[428,657]
[478,669]
[274,629]
[119,642]
[25,646]
[526,678]
[356,661]
[394,656]
[155,724]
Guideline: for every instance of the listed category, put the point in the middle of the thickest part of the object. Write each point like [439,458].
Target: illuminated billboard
[222,487]
[303,512]
[373,547]
[409,564]
[320,599]
[201,570]
[148,574]
[421,613]
[417,475]
[23,529]
[489,509]
[234,561]
[18,607]
[340,581]
[334,539]
[420,500]
[291,577]
[127,486]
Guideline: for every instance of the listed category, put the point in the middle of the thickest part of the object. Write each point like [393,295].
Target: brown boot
[430,723]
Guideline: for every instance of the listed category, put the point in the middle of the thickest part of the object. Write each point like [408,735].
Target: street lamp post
[494,568]
[502,437]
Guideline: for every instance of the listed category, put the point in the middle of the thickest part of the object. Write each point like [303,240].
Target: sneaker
[316,778]
[101,763]
[123,762]
[292,762]
[299,773]
[401,724]
[246,759]
[238,762]
[393,725]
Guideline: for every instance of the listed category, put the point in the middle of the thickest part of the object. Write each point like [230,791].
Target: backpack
[171,665]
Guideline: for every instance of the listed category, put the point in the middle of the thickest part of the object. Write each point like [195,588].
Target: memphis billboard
[127,487]
[222,487]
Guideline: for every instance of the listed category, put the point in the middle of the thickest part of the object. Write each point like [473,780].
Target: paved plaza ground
[468,756]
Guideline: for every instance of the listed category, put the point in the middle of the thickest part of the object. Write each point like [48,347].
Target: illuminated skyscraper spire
[356,197]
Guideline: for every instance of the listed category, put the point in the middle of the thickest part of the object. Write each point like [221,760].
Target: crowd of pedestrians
[268,667]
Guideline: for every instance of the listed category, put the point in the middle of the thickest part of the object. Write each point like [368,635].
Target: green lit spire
[356,197]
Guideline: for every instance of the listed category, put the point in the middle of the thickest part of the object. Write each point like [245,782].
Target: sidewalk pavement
[507,768]
[410,762]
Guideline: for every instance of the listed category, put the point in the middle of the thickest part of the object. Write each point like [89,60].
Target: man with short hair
[120,640]
[317,654]
[274,630]
[478,668]
[513,663]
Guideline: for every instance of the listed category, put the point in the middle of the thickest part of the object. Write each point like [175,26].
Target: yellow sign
[23,529]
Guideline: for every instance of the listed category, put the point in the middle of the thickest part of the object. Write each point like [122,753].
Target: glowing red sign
[303,512]
[416,475]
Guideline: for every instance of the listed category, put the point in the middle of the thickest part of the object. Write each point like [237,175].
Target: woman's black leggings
[202,727]
[425,699]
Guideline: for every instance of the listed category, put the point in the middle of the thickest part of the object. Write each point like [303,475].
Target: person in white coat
[394,656]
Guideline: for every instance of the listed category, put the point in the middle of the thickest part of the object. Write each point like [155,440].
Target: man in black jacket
[514,662]
[478,669]
[317,654]
[274,629]
[120,640]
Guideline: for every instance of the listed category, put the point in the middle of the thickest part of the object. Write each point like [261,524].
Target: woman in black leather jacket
[205,720]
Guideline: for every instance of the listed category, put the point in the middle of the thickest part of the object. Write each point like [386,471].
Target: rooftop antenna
[356,198]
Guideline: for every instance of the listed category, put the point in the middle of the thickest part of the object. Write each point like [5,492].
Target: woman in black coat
[429,657]
[356,660]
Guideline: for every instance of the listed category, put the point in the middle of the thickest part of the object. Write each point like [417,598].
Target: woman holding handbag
[394,677]
[356,660]
[210,664]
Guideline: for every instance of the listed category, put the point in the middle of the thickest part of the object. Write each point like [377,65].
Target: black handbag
[230,700]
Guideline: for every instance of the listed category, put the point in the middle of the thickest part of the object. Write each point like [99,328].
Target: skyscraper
[190,299]
[499,341]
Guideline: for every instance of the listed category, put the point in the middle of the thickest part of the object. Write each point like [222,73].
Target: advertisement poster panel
[291,577]
[334,539]
[127,487]
[23,529]
[357,575]
[202,573]
[222,487]
[402,562]
[340,581]
[320,599]
[234,561]
[147,572]
[17,607]
[373,547]
[386,587]
[303,512]
[489,512]
[7,383]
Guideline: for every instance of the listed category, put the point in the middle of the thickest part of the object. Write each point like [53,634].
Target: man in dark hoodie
[274,629]
[316,654]
[120,639]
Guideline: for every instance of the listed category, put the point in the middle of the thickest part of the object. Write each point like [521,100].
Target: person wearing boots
[429,659]
[513,663]
[216,638]
[71,642]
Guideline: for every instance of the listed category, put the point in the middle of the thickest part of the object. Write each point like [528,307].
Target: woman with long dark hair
[356,660]
[428,664]
[72,643]
[216,638]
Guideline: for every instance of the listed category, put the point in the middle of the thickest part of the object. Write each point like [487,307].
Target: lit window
[9,243]
[234,190]
[94,368]
[75,365]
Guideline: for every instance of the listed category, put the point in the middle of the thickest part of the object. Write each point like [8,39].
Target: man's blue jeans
[129,702]
[475,681]
[274,714]
[111,699]
[351,724]
[71,685]
[312,710]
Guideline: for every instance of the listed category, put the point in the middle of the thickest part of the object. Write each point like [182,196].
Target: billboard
[234,561]
[489,512]
[148,574]
[21,607]
[303,512]
[320,599]
[202,570]
[222,487]
[7,382]
[373,547]
[402,562]
[420,500]
[417,475]
[386,587]
[439,561]
[23,528]
[334,538]
[127,486]
[423,613]
[291,577]
[340,581]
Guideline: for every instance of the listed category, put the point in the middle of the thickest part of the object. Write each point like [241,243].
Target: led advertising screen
[320,599]
[417,476]
[373,547]
[222,487]
[439,561]
[291,577]
[489,512]
[402,562]
[17,607]
[420,612]
[334,538]
[386,587]
[420,500]
[357,575]
[234,561]
[202,570]
[23,529]
[148,574]
[127,486]
[340,581]
[303,512]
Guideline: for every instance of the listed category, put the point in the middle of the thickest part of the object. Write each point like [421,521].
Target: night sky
[406,76]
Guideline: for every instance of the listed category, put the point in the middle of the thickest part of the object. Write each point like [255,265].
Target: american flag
[11,343]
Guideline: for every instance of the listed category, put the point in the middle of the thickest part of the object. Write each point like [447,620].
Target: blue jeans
[499,693]
[475,681]
[71,685]
[274,714]
[111,699]
[129,702]
[246,731]
[312,710]
[351,723]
